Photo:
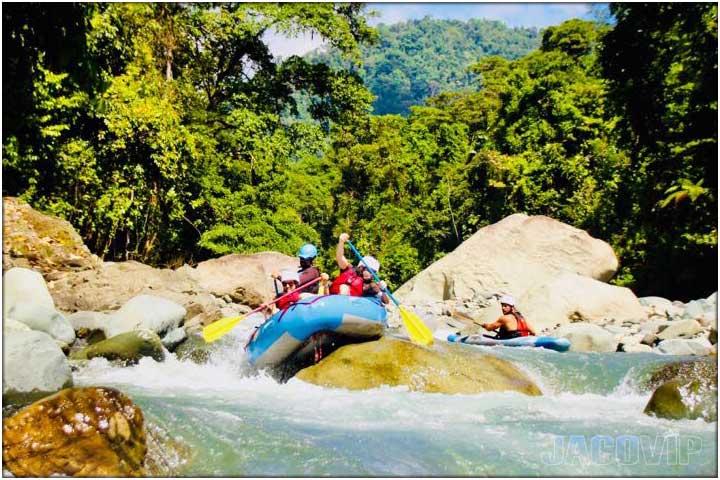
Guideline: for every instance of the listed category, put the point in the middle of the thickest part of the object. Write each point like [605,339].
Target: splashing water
[589,421]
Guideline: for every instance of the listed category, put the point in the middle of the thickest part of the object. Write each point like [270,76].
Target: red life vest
[348,277]
[522,327]
[287,301]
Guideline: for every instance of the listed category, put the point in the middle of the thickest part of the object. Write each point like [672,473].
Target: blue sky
[539,15]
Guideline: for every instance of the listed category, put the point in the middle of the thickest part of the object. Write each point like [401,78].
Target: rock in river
[81,432]
[395,362]
[130,347]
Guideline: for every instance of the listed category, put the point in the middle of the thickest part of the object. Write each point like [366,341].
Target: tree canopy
[169,133]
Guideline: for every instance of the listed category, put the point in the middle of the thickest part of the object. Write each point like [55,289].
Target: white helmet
[507,300]
[289,276]
[372,262]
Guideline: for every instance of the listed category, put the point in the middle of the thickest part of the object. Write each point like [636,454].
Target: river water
[588,422]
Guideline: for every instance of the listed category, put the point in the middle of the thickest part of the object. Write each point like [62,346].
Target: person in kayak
[511,323]
[357,281]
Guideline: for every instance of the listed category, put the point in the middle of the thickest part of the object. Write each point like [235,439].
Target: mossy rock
[677,399]
[393,362]
[82,432]
[129,347]
[195,349]
[703,370]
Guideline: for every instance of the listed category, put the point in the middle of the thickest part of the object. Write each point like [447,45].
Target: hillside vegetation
[161,151]
[418,59]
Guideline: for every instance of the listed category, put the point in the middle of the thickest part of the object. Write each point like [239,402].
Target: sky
[539,15]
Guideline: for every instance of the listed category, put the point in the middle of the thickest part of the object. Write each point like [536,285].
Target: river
[588,422]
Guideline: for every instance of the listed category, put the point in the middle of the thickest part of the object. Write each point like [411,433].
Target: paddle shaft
[375,276]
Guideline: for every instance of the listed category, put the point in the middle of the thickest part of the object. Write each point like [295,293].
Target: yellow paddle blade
[418,331]
[220,328]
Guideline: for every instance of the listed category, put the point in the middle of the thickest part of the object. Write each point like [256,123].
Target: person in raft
[308,272]
[290,281]
[357,281]
[511,323]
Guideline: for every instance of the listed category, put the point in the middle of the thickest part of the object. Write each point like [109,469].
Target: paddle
[223,326]
[418,331]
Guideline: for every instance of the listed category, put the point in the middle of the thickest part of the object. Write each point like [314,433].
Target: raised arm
[340,251]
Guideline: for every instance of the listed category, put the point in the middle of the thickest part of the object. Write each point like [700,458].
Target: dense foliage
[415,60]
[169,133]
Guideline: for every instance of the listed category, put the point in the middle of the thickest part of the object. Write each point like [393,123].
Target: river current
[588,422]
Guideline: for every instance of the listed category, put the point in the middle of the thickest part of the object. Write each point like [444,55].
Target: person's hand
[324,277]
[344,237]
[275,275]
[383,285]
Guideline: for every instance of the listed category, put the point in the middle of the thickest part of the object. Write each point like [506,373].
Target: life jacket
[521,331]
[288,301]
[348,277]
[307,275]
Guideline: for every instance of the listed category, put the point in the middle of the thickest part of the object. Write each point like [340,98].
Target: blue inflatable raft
[558,344]
[287,332]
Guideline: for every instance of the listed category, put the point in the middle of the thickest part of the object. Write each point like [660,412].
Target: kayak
[559,344]
[342,318]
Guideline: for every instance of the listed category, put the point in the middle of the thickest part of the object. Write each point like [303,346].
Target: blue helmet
[307,251]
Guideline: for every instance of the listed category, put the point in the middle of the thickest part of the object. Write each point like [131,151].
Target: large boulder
[145,312]
[44,319]
[33,364]
[244,278]
[683,399]
[680,329]
[445,369]
[81,432]
[129,347]
[680,346]
[113,284]
[22,285]
[586,337]
[511,256]
[573,298]
[35,240]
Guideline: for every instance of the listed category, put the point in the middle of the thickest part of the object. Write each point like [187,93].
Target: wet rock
[33,365]
[678,399]
[586,337]
[703,370]
[195,349]
[444,369]
[677,346]
[43,242]
[145,312]
[517,254]
[81,432]
[174,338]
[129,347]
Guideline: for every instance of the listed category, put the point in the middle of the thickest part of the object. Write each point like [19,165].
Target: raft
[558,344]
[289,331]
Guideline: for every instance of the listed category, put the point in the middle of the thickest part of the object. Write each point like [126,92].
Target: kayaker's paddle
[418,331]
[223,326]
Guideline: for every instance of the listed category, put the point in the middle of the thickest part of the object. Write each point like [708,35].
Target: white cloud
[513,14]
[283,46]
